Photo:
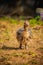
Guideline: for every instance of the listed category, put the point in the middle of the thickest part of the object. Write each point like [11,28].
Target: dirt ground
[10,54]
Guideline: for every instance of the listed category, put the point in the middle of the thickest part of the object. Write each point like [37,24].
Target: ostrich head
[26,25]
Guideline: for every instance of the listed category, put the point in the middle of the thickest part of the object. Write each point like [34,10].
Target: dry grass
[10,54]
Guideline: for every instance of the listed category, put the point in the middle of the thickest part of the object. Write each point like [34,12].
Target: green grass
[36,21]
[33,21]
[11,20]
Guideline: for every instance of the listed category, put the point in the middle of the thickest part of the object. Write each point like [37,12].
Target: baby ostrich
[24,35]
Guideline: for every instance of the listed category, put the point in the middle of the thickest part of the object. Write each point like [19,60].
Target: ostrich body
[23,35]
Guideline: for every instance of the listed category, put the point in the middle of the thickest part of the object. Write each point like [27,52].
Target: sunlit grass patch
[33,54]
[17,54]
[13,21]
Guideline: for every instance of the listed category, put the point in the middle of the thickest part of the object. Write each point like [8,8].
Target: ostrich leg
[20,45]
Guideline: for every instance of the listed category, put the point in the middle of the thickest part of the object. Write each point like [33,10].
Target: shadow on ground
[9,48]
